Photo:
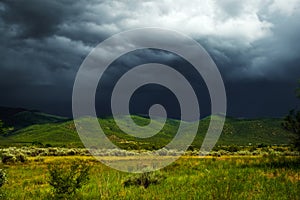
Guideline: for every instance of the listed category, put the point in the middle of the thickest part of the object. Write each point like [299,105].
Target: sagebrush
[67,180]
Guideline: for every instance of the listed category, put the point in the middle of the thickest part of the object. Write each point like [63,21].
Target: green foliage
[292,122]
[3,178]
[229,148]
[1,127]
[144,179]
[10,158]
[236,131]
[37,144]
[230,177]
[65,181]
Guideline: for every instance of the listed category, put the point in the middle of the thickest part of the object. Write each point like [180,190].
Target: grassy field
[252,160]
[225,177]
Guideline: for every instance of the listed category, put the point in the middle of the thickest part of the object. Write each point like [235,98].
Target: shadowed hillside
[20,117]
[36,127]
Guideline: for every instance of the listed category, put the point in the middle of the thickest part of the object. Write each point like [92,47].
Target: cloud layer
[43,43]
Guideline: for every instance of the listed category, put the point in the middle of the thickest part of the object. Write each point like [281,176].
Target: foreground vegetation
[190,177]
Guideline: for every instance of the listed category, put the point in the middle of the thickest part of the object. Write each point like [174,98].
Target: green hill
[63,133]
[19,118]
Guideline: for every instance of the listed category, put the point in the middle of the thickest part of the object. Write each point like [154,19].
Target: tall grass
[227,177]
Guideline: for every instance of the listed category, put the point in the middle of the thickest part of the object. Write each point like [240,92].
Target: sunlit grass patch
[225,177]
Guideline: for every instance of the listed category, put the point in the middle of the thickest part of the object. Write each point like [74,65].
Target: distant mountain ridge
[20,118]
[36,127]
[7,112]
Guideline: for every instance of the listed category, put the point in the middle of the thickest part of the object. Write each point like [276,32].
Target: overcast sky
[254,43]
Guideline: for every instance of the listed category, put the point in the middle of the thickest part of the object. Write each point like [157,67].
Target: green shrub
[48,145]
[144,179]
[21,157]
[233,148]
[13,158]
[215,153]
[3,178]
[262,145]
[39,159]
[8,158]
[66,180]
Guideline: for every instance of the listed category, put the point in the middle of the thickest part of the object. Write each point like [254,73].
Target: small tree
[292,122]
[67,180]
[1,127]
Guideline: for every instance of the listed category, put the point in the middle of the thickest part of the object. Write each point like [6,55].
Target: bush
[144,179]
[215,153]
[13,158]
[243,153]
[162,152]
[3,178]
[39,159]
[48,145]
[8,158]
[233,148]
[67,180]
[21,157]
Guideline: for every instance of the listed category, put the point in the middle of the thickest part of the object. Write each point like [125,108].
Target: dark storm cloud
[36,19]
[254,44]
[37,64]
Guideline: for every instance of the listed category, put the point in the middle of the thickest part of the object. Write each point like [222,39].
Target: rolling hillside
[57,131]
[20,118]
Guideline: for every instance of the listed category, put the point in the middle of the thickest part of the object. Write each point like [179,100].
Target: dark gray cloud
[37,19]
[254,44]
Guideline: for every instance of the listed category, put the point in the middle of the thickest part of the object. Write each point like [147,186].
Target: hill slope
[20,118]
[236,131]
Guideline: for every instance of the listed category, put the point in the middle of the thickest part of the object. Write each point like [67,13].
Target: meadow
[253,159]
[191,177]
